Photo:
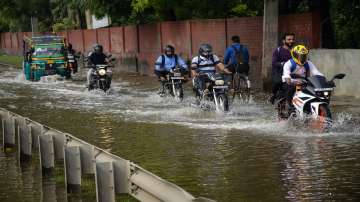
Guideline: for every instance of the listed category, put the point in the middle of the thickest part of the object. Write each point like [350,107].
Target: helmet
[98,49]
[205,50]
[169,50]
[300,54]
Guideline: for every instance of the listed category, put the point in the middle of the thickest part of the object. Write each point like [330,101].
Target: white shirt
[299,70]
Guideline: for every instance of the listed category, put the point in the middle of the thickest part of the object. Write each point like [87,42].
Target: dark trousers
[240,68]
[289,92]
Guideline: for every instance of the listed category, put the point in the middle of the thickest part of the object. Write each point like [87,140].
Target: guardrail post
[104,177]
[72,166]
[59,140]
[8,126]
[24,139]
[121,175]
[36,131]
[46,150]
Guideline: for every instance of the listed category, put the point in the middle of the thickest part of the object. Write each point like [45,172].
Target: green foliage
[65,24]
[346,20]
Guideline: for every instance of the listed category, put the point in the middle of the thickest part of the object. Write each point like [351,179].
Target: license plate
[177,77]
[177,74]
[71,60]
[220,87]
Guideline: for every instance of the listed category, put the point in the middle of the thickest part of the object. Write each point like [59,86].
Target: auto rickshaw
[44,56]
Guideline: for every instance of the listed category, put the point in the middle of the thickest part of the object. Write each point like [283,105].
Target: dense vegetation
[53,15]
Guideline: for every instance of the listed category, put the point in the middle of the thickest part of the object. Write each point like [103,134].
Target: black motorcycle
[215,91]
[173,85]
[100,78]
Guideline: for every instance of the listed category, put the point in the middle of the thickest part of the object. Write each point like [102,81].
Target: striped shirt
[204,64]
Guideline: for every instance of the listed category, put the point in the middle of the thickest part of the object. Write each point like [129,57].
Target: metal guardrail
[113,174]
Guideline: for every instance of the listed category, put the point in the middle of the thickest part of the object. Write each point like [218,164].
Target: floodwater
[243,155]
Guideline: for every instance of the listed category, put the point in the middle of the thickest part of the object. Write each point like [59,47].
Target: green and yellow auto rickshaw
[44,56]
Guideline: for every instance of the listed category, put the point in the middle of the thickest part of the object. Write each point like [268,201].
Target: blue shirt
[169,63]
[230,54]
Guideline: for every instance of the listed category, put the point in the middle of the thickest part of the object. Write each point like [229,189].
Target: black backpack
[239,54]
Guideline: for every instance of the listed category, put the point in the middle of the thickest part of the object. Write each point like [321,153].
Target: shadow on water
[243,155]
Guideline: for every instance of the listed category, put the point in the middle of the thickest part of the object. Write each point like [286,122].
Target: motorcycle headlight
[219,82]
[326,94]
[102,72]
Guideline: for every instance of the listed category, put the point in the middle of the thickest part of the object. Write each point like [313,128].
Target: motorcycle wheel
[241,88]
[282,109]
[103,85]
[323,121]
[223,102]
[179,94]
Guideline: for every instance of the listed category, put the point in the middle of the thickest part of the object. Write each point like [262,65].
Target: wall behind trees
[137,47]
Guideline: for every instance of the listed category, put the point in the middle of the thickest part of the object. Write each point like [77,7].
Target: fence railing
[113,174]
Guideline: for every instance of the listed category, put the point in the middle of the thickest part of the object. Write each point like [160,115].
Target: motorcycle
[100,79]
[311,102]
[216,91]
[173,85]
[71,62]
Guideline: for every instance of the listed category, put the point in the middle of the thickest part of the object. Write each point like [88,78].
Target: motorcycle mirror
[339,76]
[112,59]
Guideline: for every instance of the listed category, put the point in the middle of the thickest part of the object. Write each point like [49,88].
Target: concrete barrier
[113,174]
[334,61]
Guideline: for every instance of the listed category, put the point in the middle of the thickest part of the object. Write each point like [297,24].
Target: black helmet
[205,50]
[169,50]
[98,49]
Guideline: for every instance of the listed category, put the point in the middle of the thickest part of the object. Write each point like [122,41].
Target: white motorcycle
[311,102]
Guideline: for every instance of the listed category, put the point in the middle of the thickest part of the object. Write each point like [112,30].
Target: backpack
[163,61]
[306,65]
[239,54]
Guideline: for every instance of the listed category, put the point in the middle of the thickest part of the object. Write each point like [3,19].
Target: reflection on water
[322,169]
[244,155]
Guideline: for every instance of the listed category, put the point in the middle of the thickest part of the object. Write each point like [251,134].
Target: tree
[346,20]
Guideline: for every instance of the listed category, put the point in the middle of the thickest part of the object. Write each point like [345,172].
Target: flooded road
[243,155]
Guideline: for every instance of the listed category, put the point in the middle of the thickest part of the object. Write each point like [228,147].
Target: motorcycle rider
[166,63]
[299,65]
[97,57]
[280,56]
[71,51]
[205,62]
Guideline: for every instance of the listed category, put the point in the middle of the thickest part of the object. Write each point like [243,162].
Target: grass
[11,60]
